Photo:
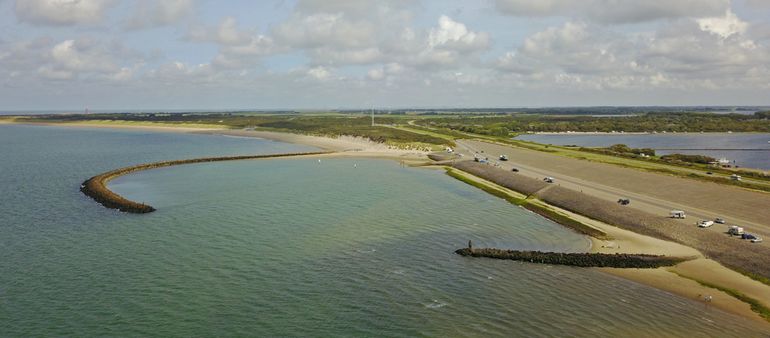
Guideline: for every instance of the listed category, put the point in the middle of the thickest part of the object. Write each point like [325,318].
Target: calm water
[680,142]
[289,248]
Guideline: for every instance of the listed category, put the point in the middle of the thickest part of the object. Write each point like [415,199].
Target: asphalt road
[652,192]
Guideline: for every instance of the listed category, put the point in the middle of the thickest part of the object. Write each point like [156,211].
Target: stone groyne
[633,261]
[96,187]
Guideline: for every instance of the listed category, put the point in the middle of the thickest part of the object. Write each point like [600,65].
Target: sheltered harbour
[96,187]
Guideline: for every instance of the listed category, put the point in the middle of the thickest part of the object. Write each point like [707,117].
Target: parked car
[719,220]
[735,231]
[503,158]
[709,173]
[515,170]
[705,223]
[624,201]
[752,238]
[548,179]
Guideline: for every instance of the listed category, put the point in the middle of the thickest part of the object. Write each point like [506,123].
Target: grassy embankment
[756,305]
[96,187]
[532,205]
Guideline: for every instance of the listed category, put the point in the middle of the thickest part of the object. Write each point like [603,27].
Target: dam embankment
[742,256]
[96,187]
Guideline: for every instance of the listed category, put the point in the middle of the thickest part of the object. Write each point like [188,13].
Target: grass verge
[541,210]
[756,306]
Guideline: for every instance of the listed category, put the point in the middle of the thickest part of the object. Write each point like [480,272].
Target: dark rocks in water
[635,261]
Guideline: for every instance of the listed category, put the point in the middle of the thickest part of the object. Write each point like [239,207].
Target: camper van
[678,214]
[735,231]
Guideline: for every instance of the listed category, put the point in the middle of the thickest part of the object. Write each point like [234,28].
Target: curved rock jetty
[96,187]
[635,261]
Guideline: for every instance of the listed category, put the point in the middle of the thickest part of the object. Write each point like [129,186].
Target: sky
[338,54]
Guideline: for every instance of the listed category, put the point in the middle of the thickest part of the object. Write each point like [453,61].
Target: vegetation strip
[632,261]
[536,208]
[96,187]
[756,305]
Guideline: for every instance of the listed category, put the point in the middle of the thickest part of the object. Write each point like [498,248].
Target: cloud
[156,13]
[226,33]
[455,35]
[62,12]
[325,30]
[614,11]
[319,73]
[724,26]
[81,58]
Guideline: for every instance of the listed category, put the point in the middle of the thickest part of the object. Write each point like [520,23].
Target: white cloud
[62,12]
[324,30]
[455,35]
[155,13]
[615,11]
[319,73]
[724,26]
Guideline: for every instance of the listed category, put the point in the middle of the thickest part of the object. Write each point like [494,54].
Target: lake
[750,150]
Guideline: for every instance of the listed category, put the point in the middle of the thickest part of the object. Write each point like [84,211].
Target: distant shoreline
[621,133]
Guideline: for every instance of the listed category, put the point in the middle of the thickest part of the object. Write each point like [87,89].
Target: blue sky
[316,54]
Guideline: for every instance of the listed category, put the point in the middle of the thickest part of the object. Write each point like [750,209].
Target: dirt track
[652,192]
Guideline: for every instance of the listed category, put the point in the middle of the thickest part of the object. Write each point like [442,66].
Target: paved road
[651,192]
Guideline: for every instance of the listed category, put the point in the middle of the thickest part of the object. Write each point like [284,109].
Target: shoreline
[669,279]
[630,242]
[621,133]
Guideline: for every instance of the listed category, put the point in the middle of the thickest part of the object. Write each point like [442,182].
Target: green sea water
[290,247]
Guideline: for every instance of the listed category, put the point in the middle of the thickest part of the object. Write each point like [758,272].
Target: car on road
[719,220]
[548,179]
[752,238]
[705,223]
[503,157]
[624,201]
[515,170]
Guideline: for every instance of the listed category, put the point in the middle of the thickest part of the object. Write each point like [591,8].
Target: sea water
[290,247]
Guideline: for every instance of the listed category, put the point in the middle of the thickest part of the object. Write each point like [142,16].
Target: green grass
[541,210]
[756,305]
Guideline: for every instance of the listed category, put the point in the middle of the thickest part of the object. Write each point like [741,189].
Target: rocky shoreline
[628,261]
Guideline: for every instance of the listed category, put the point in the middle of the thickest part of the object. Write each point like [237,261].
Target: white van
[678,214]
